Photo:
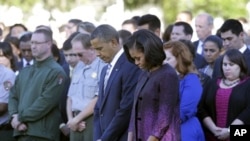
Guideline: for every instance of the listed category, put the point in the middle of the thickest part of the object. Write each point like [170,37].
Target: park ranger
[34,99]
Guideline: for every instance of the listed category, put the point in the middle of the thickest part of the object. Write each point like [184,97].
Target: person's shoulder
[191,76]
[168,69]
[56,68]
[6,71]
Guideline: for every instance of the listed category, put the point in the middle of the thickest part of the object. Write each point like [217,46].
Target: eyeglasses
[79,54]
[70,55]
[24,50]
[37,43]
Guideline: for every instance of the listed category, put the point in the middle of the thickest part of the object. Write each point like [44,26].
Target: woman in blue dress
[180,58]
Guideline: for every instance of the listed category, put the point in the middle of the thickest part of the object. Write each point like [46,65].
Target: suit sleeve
[48,99]
[120,121]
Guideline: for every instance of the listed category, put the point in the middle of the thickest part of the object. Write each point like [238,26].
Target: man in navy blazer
[113,108]
[232,34]
[25,47]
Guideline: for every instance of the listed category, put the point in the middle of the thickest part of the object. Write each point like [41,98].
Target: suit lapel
[112,76]
[141,83]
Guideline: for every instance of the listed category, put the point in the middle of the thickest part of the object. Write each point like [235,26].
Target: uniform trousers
[86,134]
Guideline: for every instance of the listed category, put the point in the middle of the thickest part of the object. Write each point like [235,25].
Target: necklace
[230,84]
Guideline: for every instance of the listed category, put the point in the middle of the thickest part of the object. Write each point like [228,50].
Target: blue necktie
[106,77]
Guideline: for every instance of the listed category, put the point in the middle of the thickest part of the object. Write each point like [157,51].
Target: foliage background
[224,8]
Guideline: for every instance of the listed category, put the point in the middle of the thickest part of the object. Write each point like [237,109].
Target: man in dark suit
[203,26]
[183,31]
[232,34]
[116,90]
[25,47]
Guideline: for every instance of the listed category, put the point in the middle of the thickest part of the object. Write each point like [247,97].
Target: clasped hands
[16,124]
[75,125]
[221,133]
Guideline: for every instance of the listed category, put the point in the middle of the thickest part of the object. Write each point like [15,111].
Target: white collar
[243,49]
[31,62]
[115,59]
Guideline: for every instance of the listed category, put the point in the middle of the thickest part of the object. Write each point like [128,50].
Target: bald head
[204,25]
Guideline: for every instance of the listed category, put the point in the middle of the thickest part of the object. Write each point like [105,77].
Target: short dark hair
[124,35]
[56,52]
[26,37]
[231,25]
[20,25]
[149,44]
[152,20]
[45,27]
[75,21]
[47,34]
[105,33]
[187,28]
[235,56]
[67,43]
[136,18]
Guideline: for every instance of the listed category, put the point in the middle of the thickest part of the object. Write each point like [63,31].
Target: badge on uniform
[60,79]
[7,85]
[94,75]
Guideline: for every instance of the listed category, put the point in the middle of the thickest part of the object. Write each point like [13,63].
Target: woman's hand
[224,134]
[152,138]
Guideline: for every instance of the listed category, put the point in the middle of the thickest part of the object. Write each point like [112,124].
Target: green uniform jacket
[35,98]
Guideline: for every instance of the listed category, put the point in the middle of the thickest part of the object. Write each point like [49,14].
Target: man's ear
[114,42]
[189,37]
[158,32]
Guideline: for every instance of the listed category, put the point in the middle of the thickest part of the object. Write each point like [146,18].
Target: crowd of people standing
[132,84]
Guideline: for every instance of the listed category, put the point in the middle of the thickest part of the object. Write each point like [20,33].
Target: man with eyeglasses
[25,47]
[34,98]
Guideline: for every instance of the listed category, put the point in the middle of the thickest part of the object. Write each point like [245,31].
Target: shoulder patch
[59,79]
[7,85]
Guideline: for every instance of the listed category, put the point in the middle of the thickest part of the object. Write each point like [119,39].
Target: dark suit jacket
[113,108]
[19,65]
[217,65]
[199,61]
[196,43]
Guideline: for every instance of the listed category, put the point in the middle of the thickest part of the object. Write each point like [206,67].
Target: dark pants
[6,133]
[31,138]
[86,134]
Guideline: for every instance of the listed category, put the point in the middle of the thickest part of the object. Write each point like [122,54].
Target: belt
[75,113]
[6,127]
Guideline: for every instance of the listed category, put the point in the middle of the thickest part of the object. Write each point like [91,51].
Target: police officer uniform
[7,78]
[83,88]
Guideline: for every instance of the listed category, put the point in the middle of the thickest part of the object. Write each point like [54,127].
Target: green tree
[225,9]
